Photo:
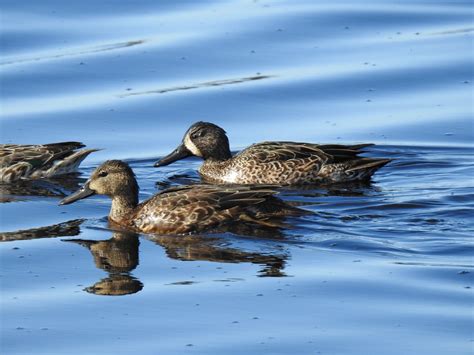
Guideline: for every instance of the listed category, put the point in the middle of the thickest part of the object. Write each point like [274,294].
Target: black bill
[84,192]
[179,153]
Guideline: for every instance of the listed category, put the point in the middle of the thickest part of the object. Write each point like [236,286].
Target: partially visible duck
[281,163]
[40,161]
[183,209]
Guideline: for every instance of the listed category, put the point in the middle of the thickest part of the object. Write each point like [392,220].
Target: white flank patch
[231,176]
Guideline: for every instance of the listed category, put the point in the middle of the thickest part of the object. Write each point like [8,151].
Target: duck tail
[364,168]
[342,153]
[360,146]
[70,163]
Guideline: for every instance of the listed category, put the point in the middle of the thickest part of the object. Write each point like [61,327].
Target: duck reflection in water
[60,186]
[216,249]
[118,256]
[65,229]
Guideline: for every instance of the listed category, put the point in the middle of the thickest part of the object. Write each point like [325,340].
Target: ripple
[77,52]
[199,85]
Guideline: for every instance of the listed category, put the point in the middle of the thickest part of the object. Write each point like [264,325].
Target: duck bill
[84,192]
[179,153]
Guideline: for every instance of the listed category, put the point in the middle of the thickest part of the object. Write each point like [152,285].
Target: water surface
[382,268]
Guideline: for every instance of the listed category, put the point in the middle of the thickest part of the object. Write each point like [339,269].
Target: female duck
[282,163]
[182,209]
[40,161]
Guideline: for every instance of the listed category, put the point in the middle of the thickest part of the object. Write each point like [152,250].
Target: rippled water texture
[379,268]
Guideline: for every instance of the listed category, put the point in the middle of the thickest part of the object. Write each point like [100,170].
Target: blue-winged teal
[182,209]
[40,161]
[281,163]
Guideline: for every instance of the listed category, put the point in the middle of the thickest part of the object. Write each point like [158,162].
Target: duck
[19,162]
[183,209]
[272,163]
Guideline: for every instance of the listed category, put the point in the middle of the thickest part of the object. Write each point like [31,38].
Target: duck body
[292,163]
[40,161]
[184,209]
[189,209]
[279,163]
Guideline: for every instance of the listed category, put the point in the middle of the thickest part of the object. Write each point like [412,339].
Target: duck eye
[199,133]
[103,174]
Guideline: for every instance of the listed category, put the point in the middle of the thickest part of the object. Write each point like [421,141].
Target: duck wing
[36,155]
[341,153]
[194,208]
[213,197]
[21,161]
[267,152]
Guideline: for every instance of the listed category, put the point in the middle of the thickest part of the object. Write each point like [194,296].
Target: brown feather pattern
[183,209]
[291,163]
[276,163]
[38,161]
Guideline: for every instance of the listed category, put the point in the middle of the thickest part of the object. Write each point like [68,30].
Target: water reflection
[350,189]
[178,179]
[206,248]
[65,229]
[118,256]
[55,187]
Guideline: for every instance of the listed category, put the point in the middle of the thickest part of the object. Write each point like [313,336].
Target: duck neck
[219,155]
[122,206]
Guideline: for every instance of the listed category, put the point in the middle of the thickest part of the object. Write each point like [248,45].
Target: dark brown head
[202,139]
[113,178]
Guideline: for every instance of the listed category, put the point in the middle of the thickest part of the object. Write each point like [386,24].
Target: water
[380,268]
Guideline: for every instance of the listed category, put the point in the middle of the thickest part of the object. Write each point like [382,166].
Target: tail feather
[341,153]
[60,151]
[69,145]
[354,170]
[360,146]
[342,146]
[70,163]
[368,164]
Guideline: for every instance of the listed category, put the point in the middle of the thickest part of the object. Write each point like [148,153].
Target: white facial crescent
[191,146]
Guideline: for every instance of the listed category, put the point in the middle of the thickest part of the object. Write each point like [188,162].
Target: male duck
[282,163]
[183,209]
[40,161]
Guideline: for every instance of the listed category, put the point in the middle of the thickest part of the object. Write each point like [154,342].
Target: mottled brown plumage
[281,163]
[40,161]
[183,209]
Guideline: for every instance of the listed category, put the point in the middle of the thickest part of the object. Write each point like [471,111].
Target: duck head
[202,139]
[114,178]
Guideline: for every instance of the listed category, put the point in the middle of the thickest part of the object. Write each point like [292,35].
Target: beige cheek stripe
[191,146]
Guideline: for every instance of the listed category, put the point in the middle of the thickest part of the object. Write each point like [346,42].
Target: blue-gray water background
[379,269]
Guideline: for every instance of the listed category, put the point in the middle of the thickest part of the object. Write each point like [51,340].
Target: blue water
[384,268]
